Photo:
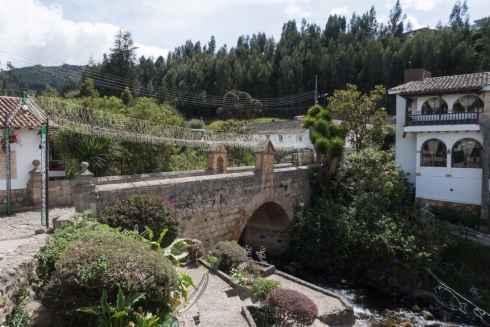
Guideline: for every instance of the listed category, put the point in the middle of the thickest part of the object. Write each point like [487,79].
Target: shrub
[261,288]
[292,307]
[464,217]
[108,261]
[153,211]
[61,239]
[196,123]
[230,255]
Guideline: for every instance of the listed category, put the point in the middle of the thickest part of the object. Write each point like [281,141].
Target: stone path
[215,308]
[22,225]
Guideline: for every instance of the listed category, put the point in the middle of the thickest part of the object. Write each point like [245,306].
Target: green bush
[153,211]
[230,255]
[261,288]
[107,261]
[61,239]
[196,123]
[452,216]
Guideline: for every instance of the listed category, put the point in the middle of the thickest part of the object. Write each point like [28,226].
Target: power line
[183,96]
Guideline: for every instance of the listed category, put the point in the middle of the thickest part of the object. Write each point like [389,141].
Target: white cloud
[413,20]
[341,11]
[424,5]
[294,11]
[149,50]
[38,34]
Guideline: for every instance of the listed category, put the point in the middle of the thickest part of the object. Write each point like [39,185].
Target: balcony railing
[442,119]
[56,166]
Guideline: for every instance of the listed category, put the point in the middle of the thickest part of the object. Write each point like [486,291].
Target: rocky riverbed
[380,300]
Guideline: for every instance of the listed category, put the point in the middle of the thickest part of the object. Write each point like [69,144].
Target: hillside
[36,77]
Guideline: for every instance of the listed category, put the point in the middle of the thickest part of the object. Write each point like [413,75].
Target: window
[434,106]
[468,103]
[280,138]
[466,153]
[433,154]
[300,138]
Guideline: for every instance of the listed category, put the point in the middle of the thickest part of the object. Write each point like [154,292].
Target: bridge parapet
[212,207]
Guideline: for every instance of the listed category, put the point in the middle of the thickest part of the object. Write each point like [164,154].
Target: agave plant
[173,252]
[98,152]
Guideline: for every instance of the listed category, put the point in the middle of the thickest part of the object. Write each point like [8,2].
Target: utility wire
[188,97]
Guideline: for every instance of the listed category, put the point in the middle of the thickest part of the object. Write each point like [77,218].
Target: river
[375,309]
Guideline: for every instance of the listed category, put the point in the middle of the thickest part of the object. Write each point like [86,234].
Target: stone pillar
[34,185]
[216,159]
[84,190]
[486,155]
[264,157]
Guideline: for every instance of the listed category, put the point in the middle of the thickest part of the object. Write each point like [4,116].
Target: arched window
[468,103]
[434,106]
[466,153]
[433,154]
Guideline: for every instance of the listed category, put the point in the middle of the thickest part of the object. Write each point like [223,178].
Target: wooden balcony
[443,119]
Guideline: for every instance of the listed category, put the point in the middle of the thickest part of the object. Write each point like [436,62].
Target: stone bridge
[253,205]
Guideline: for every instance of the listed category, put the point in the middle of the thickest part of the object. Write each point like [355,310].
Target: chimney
[416,75]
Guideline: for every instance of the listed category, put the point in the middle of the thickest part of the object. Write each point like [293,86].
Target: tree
[459,17]
[238,105]
[360,113]
[328,138]
[121,63]
[9,81]
[395,24]
[127,97]
[87,89]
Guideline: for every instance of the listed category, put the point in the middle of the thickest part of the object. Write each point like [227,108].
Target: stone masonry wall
[15,269]
[215,207]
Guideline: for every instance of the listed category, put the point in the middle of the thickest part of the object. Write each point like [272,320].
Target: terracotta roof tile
[7,104]
[455,83]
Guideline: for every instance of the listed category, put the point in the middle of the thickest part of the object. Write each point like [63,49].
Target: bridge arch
[265,223]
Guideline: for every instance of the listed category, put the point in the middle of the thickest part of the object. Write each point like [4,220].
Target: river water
[375,309]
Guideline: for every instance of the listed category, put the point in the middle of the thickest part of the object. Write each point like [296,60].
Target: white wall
[26,153]
[405,147]
[462,185]
[292,140]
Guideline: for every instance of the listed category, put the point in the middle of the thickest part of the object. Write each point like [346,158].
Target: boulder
[40,316]
[392,281]
[433,324]
[374,276]
[427,315]
[404,289]
[421,297]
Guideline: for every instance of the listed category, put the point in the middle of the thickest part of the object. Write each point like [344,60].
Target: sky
[53,32]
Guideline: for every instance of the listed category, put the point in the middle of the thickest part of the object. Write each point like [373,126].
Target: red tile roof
[445,84]
[7,105]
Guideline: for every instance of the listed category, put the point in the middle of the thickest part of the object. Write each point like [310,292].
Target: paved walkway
[215,308]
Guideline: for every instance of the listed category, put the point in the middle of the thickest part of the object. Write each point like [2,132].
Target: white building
[443,138]
[22,153]
[284,134]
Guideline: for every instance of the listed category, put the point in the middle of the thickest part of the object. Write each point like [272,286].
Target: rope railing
[99,123]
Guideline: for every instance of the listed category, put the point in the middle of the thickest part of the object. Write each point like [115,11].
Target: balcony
[56,170]
[467,121]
